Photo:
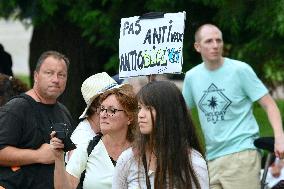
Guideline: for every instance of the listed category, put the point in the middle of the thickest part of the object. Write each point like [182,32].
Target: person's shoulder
[17,108]
[17,103]
[197,158]
[237,64]
[84,124]
[127,155]
[194,70]
[82,133]
[62,106]
[63,109]
[195,153]
[126,160]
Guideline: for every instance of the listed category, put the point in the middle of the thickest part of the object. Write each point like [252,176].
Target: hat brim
[84,114]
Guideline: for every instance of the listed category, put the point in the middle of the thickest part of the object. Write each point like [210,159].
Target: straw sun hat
[95,85]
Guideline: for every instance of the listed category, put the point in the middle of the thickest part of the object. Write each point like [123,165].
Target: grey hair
[53,54]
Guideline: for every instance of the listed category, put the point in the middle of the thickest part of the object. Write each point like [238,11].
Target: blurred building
[15,37]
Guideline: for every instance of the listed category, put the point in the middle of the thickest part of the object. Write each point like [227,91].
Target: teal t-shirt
[224,99]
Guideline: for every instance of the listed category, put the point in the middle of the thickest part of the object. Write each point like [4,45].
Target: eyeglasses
[110,111]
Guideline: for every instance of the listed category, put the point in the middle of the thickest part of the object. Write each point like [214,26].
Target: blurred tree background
[87,31]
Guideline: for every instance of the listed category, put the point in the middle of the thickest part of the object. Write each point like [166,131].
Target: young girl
[166,154]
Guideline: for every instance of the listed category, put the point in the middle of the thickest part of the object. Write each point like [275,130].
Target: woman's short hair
[126,97]
[93,108]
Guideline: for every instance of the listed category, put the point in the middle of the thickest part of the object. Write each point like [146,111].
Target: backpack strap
[35,111]
[66,112]
[144,161]
[90,148]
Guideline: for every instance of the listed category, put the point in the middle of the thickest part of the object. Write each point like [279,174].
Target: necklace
[39,99]
[152,162]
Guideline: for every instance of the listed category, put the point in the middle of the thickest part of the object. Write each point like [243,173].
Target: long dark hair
[172,138]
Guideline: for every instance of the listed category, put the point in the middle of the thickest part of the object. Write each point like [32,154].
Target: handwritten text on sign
[151,46]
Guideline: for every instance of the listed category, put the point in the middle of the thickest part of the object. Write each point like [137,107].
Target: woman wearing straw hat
[91,89]
[118,120]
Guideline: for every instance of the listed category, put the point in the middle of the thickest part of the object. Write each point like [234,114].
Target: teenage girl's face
[144,118]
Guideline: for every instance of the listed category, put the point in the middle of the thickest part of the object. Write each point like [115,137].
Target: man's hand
[279,147]
[45,154]
[274,117]
[276,168]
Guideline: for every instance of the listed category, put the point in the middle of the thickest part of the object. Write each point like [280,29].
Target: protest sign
[151,46]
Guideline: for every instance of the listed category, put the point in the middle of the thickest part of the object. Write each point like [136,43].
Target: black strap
[67,113]
[152,15]
[90,148]
[279,185]
[112,160]
[148,184]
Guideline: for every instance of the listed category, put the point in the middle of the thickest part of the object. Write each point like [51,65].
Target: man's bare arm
[12,156]
[274,116]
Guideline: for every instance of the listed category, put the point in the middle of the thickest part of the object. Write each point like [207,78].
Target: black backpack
[90,148]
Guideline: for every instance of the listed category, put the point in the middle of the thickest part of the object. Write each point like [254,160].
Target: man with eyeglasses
[26,124]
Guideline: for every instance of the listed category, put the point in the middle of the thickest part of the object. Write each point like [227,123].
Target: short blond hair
[198,31]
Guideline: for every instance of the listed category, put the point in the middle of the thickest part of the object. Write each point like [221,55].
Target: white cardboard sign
[151,46]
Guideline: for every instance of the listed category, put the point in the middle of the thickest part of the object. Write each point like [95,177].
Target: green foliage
[253,30]
[274,71]
[8,8]
[25,79]
[49,7]
[262,120]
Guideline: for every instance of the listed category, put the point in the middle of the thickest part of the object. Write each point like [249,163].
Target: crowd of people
[133,137]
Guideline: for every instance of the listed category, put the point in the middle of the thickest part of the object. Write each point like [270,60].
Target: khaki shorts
[239,170]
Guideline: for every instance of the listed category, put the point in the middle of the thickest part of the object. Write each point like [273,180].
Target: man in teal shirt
[223,90]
